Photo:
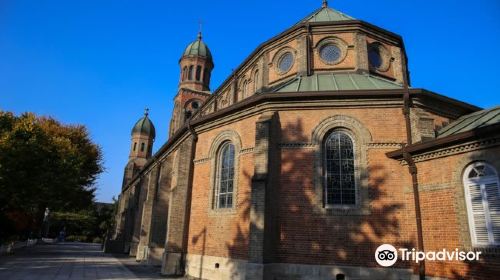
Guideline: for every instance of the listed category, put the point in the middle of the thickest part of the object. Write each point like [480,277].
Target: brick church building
[311,154]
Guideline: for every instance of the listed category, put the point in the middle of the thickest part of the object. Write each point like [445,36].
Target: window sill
[356,210]
[486,250]
[222,211]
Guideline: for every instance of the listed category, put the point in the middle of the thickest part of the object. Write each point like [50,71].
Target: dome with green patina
[144,126]
[198,48]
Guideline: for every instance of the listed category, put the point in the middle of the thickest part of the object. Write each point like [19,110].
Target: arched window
[206,76]
[184,72]
[135,146]
[256,80]
[224,177]
[142,147]
[198,73]
[482,194]
[340,185]
[190,74]
[244,89]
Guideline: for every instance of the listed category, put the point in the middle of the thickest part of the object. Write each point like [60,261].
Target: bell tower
[196,66]
[141,148]
[143,136]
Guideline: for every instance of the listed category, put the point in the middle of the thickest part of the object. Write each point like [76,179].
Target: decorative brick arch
[361,138]
[341,44]
[225,136]
[277,56]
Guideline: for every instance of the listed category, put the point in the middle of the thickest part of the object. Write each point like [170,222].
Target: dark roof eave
[437,143]
[424,93]
[286,96]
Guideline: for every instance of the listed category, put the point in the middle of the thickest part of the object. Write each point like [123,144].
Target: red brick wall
[309,237]
[226,234]
[444,216]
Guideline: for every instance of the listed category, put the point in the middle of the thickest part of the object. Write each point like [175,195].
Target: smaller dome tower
[196,66]
[143,136]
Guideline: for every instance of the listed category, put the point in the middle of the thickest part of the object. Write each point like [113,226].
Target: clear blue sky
[99,63]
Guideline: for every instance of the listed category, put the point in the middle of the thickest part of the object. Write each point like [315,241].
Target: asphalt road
[75,261]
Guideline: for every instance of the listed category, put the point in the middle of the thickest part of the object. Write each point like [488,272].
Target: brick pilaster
[262,217]
[178,212]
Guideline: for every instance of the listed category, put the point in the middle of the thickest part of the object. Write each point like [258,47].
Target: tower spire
[146,111]
[325,4]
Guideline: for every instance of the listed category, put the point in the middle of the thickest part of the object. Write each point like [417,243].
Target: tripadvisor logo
[386,255]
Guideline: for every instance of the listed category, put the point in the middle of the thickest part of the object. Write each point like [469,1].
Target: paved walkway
[75,261]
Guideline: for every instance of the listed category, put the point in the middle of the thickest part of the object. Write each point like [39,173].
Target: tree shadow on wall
[298,231]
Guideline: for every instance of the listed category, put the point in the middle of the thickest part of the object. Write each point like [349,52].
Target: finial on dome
[325,4]
[199,29]
[146,112]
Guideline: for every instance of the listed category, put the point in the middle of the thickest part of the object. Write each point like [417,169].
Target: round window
[330,53]
[285,62]
[374,57]
[195,105]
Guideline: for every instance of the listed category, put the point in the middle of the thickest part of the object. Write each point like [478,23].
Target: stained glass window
[340,187]
[330,53]
[285,62]
[225,177]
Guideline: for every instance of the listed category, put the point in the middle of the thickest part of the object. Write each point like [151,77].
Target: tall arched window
[184,73]
[482,194]
[244,89]
[256,80]
[190,74]
[224,177]
[198,73]
[340,185]
[206,76]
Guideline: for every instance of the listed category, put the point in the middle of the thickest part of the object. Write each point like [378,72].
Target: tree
[44,163]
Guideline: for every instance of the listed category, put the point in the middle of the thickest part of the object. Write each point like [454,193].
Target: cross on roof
[199,29]
[146,111]
[325,4]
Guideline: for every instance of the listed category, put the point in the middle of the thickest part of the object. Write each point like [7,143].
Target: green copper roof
[198,48]
[326,14]
[471,121]
[144,126]
[332,82]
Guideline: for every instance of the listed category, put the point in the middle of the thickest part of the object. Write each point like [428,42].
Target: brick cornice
[486,134]
[456,149]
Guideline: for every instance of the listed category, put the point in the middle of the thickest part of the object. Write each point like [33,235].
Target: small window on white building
[482,193]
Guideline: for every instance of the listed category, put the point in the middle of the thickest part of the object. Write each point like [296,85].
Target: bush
[97,240]
[76,238]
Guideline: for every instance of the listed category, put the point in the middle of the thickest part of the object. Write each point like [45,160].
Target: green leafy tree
[45,164]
